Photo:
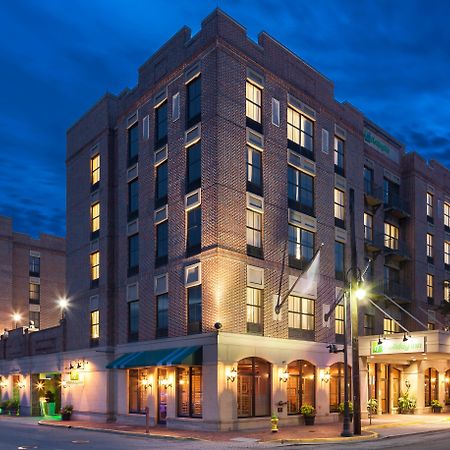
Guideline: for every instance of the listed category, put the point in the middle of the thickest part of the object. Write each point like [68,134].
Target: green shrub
[341,407]
[308,410]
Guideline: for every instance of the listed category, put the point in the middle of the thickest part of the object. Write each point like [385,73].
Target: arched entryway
[337,385]
[301,385]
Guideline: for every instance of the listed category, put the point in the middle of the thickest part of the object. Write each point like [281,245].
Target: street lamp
[16,318]
[63,304]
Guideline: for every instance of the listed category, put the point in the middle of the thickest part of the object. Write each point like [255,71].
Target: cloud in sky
[389,59]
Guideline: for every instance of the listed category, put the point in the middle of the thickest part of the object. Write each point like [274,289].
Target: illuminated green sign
[378,144]
[394,346]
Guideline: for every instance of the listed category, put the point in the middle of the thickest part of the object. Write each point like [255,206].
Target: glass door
[395,386]
[383,370]
[162,396]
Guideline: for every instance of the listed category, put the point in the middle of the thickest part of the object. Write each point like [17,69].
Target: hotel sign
[397,346]
[380,145]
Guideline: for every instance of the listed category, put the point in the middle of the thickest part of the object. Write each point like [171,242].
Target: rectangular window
[430,202]
[35,319]
[368,180]
[137,394]
[190,395]
[430,288]
[162,243]
[300,246]
[95,218]
[194,231]
[194,94]
[133,254]
[175,107]
[254,310]
[275,112]
[339,260]
[161,125]
[95,266]
[391,193]
[161,184]
[34,293]
[447,216]
[34,264]
[339,208]
[133,320]
[339,322]
[253,103]
[133,199]
[254,234]
[369,327]
[368,227]
[390,236]
[193,167]
[447,291]
[430,248]
[254,171]
[95,325]
[301,313]
[300,133]
[389,326]
[339,156]
[300,191]
[162,315]
[447,255]
[194,297]
[133,144]
[95,170]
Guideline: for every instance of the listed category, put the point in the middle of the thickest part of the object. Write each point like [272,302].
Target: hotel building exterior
[195,200]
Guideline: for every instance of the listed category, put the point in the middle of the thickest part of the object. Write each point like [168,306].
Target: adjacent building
[194,202]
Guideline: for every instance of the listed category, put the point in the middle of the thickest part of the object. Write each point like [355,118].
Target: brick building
[197,198]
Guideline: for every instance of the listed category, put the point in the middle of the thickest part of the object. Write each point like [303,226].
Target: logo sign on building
[75,377]
[398,346]
[380,145]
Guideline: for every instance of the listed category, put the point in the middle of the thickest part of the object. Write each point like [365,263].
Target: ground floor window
[136,391]
[337,385]
[190,393]
[253,387]
[301,385]
[431,386]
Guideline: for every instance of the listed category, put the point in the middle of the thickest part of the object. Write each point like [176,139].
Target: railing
[397,203]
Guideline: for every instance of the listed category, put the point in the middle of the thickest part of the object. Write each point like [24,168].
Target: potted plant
[406,404]
[5,407]
[350,410]
[14,407]
[372,406]
[309,414]
[274,421]
[66,412]
[436,406]
[50,400]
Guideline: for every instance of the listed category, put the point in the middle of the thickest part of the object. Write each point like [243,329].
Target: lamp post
[346,425]
[16,318]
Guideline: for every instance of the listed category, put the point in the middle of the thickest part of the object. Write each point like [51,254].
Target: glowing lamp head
[17,317]
[63,303]
[360,293]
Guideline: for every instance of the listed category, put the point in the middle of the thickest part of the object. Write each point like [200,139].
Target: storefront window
[447,387]
[253,387]
[190,392]
[136,391]
[431,386]
[301,385]
[337,385]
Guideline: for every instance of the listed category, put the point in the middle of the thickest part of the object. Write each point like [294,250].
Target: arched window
[431,385]
[337,385]
[447,387]
[253,387]
[301,385]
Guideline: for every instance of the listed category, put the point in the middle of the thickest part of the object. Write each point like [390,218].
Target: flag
[306,284]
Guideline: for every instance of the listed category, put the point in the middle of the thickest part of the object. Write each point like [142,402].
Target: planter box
[309,420]
[66,416]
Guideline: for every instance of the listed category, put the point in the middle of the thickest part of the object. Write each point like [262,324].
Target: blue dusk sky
[390,59]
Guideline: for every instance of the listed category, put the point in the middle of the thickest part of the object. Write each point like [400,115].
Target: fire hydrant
[274,422]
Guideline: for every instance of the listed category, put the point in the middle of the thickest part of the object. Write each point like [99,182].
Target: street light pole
[346,425]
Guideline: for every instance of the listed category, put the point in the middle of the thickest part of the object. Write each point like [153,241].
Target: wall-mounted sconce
[79,364]
[445,380]
[146,383]
[324,376]
[232,374]
[283,375]
[3,384]
[64,384]
[21,384]
[165,383]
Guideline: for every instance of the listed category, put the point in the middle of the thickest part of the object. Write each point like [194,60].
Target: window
[339,156]
[162,243]
[190,395]
[34,293]
[133,144]
[430,201]
[431,385]
[369,327]
[175,107]
[194,231]
[137,393]
[95,266]
[253,387]
[337,385]
[300,246]
[95,170]
[339,319]
[133,254]
[390,236]
[95,326]
[254,234]
[133,199]
[430,288]
[194,93]
[194,295]
[300,191]
[392,284]
[133,320]
[161,124]
[193,167]
[162,315]
[339,208]
[95,219]
[391,192]
[300,133]
[253,104]
[368,227]
[34,266]
[301,317]
[301,386]
[339,260]
[368,180]
[447,216]
[275,112]
[254,171]
[161,184]
[35,318]
[254,310]
[430,248]
[447,255]
[431,326]
[446,291]
[390,326]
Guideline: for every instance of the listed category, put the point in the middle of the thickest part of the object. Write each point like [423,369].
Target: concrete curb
[336,440]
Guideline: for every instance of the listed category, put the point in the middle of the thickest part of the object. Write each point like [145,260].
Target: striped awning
[165,357]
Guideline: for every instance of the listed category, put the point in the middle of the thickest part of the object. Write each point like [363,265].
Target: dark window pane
[193,161]
[195,309]
[133,320]
[194,101]
[133,251]
[161,182]
[133,196]
[162,320]
[194,227]
[35,266]
[339,260]
[162,239]
[254,167]
[133,142]
[161,122]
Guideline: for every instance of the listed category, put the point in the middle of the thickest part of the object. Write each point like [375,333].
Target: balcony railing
[395,248]
[396,205]
[373,193]
[396,290]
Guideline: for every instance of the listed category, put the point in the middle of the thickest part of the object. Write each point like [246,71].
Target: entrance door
[162,396]
[384,387]
[395,384]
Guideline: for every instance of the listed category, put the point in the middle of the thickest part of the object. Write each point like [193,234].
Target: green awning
[166,357]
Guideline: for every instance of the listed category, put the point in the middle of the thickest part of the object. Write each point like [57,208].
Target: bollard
[147,420]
